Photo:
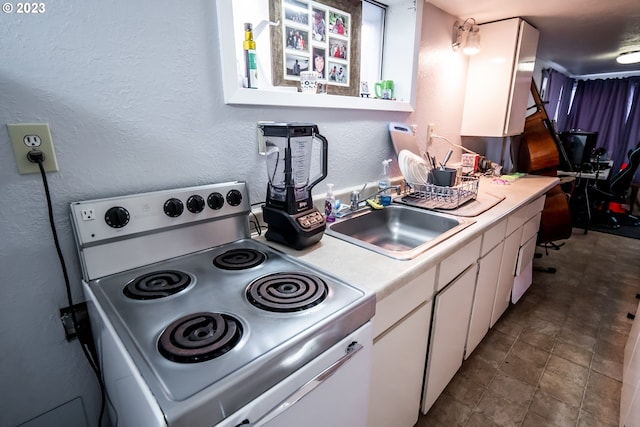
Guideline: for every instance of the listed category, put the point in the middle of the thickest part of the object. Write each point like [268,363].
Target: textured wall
[132,94]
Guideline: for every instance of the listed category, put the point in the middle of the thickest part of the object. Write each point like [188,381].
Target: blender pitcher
[288,148]
[289,212]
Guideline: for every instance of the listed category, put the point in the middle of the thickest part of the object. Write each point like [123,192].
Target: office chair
[617,191]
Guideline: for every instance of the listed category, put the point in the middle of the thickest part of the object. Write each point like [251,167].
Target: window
[372,35]
[398,52]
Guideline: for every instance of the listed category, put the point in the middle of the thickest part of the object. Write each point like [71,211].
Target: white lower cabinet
[524,269]
[452,310]
[506,275]
[421,340]
[528,241]
[517,260]
[401,330]
[398,366]
[486,284]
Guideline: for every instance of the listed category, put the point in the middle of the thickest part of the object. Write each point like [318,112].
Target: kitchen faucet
[355,200]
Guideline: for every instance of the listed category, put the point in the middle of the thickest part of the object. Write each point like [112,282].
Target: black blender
[289,210]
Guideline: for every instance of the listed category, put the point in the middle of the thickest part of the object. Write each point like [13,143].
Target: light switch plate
[26,137]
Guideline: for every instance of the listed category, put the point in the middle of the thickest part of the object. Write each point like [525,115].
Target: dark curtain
[631,132]
[557,96]
[601,106]
[610,107]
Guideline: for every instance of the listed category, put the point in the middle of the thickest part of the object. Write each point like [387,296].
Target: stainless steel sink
[397,231]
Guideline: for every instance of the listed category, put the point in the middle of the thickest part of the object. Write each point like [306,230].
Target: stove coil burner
[239,259]
[199,337]
[287,292]
[156,285]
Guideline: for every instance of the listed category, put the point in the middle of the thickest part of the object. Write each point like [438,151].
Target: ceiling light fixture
[628,58]
[466,35]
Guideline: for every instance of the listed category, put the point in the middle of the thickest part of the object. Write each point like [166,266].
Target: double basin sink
[397,231]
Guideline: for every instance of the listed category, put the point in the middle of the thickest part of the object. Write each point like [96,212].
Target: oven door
[332,390]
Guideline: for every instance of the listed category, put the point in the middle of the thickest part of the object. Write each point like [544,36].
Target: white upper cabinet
[499,79]
[402,32]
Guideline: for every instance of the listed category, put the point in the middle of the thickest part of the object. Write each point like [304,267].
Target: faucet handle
[354,199]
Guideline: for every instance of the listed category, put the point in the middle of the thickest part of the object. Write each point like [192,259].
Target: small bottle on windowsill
[251,66]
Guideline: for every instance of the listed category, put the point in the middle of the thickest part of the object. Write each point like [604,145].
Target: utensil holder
[443,177]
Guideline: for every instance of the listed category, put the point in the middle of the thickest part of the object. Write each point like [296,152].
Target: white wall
[132,95]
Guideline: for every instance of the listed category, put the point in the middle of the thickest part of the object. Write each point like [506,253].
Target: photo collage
[317,38]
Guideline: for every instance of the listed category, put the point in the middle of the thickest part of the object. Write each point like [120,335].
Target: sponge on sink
[374,205]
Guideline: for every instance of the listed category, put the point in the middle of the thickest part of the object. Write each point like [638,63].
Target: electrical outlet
[32,141]
[88,214]
[26,137]
[431,128]
[262,147]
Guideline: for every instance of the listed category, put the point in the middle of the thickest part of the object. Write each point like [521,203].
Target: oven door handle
[307,388]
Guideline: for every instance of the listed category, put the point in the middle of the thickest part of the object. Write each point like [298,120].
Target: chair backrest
[621,182]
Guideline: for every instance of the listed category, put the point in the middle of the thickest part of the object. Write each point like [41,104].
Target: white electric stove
[196,324]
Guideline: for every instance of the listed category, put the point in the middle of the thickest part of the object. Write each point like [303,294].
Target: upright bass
[539,154]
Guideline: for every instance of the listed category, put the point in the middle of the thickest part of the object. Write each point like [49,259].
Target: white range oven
[197,325]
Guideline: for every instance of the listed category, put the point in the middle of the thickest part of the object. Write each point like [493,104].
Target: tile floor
[555,358]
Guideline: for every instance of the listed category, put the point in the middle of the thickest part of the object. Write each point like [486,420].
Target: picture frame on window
[318,36]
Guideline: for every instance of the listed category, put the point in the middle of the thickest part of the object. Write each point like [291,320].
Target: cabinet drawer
[401,302]
[536,206]
[516,220]
[457,262]
[530,228]
[493,236]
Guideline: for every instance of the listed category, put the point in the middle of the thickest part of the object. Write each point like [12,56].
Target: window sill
[243,96]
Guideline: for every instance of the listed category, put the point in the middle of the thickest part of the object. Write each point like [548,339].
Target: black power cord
[37,156]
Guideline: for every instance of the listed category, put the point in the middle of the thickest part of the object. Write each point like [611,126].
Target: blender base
[297,231]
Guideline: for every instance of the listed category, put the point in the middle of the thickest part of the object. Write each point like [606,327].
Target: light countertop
[382,275]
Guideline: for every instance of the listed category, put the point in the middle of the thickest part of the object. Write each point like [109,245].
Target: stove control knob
[195,204]
[117,217]
[215,201]
[173,207]
[234,197]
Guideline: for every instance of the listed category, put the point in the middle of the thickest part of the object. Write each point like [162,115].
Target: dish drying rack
[430,196]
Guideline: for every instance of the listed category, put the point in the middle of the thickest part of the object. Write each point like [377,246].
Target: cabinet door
[486,284]
[497,91]
[524,269]
[452,311]
[507,273]
[521,79]
[398,366]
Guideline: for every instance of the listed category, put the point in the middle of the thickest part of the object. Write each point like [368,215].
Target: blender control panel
[311,220]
